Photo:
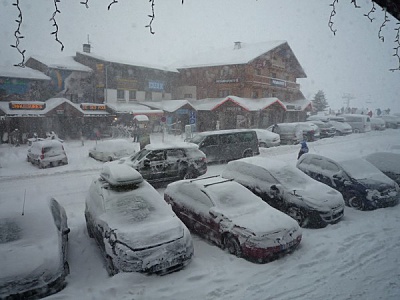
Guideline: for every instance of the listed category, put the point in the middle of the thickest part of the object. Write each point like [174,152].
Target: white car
[267,138]
[46,153]
[134,228]
[342,128]
[33,248]
[110,150]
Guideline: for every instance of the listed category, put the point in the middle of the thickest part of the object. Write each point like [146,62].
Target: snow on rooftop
[229,55]
[130,63]
[168,105]
[23,73]
[131,108]
[246,103]
[66,63]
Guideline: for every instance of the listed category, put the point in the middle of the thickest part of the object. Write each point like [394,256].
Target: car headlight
[373,194]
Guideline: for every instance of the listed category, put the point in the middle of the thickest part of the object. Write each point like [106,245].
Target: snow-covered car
[342,128]
[386,162]
[33,248]
[47,153]
[267,138]
[286,188]
[362,185]
[311,132]
[110,150]
[168,162]
[326,129]
[391,121]
[377,124]
[134,228]
[289,133]
[229,215]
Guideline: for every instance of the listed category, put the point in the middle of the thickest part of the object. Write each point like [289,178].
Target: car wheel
[109,158]
[111,270]
[355,201]
[54,164]
[297,215]
[263,145]
[42,166]
[232,245]
[356,130]
[248,153]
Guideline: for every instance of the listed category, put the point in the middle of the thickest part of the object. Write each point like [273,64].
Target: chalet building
[69,79]
[20,84]
[127,82]
[236,112]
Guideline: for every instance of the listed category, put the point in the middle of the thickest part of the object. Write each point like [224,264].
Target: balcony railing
[275,82]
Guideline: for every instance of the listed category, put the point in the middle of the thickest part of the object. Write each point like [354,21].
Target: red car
[232,217]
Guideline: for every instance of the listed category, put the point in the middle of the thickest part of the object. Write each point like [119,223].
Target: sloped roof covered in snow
[233,55]
[168,105]
[298,105]
[62,63]
[130,63]
[133,108]
[246,103]
[23,73]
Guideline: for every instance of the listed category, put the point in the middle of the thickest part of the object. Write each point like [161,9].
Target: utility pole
[347,97]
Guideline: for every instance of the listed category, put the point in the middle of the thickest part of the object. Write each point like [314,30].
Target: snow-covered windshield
[142,153]
[290,176]
[360,169]
[197,139]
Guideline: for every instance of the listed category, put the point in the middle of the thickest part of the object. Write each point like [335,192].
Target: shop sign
[233,80]
[278,82]
[156,85]
[93,107]
[182,111]
[233,108]
[28,105]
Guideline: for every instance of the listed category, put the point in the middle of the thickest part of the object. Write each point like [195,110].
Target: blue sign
[156,85]
[192,120]
[192,114]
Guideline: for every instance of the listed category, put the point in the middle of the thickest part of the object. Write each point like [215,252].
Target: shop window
[258,71]
[120,94]
[148,96]
[132,95]
[186,96]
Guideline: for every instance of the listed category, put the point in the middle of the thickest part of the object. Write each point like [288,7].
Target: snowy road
[358,258]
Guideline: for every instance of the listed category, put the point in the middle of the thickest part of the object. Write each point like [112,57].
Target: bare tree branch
[152,16]
[333,13]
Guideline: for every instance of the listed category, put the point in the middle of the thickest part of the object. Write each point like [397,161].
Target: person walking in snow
[303,149]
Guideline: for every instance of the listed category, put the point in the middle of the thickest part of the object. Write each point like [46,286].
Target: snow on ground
[357,258]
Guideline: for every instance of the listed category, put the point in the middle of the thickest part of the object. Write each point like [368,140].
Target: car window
[197,197]
[246,136]
[228,139]
[175,154]
[211,140]
[9,231]
[156,155]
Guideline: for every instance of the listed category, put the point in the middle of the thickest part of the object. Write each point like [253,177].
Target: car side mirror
[66,231]
[212,212]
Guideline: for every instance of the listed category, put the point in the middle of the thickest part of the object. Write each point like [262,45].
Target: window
[246,136]
[273,75]
[175,154]
[157,155]
[258,71]
[211,140]
[120,94]
[254,94]
[223,93]
[148,96]
[228,139]
[132,95]
[187,96]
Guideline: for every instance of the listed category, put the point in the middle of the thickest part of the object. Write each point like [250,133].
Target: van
[359,123]
[47,153]
[226,145]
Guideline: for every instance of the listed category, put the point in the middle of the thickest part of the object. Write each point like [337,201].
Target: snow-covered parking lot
[357,258]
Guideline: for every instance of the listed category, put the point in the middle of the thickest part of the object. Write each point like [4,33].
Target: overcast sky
[354,61]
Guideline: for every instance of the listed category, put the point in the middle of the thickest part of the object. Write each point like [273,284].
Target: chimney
[86,48]
[237,45]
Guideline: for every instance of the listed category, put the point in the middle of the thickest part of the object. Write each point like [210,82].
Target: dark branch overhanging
[53,18]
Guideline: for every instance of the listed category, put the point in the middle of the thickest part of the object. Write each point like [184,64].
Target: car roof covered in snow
[120,174]
[163,146]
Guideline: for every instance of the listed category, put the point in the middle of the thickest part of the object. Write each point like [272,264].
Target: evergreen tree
[319,102]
